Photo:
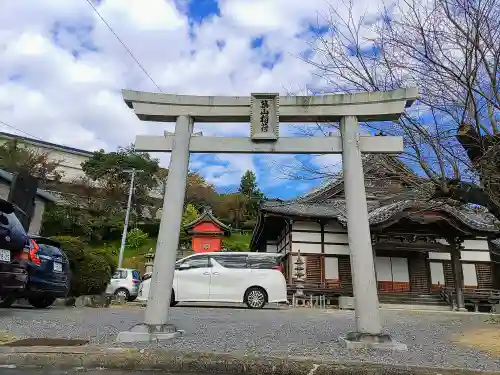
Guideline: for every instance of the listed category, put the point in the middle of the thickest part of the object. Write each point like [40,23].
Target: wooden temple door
[392,274]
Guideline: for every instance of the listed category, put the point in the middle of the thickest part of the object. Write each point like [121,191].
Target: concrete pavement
[125,361]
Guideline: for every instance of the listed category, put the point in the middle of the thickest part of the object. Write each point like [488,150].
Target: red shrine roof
[207,216]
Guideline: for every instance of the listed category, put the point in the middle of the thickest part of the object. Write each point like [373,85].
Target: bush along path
[90,269]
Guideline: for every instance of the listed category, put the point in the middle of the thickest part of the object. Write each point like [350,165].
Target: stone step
[416,306]
[397,298]
[415,302]
[412,299]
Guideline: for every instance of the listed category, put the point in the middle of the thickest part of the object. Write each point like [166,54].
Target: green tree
[16,157]
[199,192]
[190,214]
[232,209]
[249,188]
[248,184]
[107,169]
[136,238]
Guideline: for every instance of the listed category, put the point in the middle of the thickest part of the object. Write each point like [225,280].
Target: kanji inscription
[264,117]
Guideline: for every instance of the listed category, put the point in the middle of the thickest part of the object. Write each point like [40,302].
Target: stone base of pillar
[149,333]
[462,309]
[356,340]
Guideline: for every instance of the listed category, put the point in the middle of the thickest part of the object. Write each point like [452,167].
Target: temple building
[420,246]
[207,232]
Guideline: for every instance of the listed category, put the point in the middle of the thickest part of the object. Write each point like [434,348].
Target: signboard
[264,116]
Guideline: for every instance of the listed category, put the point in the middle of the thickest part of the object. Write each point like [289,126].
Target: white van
[252,278]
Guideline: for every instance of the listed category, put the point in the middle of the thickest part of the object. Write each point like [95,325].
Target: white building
[70,158]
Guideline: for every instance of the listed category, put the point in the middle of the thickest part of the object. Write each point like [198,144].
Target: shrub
[73,247]
[90,269]
[91,275]
[136,238]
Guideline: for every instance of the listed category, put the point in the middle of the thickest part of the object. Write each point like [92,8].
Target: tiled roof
[378,214]
[370,162]
[469,217]
[207,215]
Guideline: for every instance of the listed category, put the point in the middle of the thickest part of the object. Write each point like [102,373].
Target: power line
[142,67]
[20,130]
[124,46]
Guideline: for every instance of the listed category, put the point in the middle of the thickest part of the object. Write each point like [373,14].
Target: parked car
[13,241]
[125,282]
[48,273]
[252,278]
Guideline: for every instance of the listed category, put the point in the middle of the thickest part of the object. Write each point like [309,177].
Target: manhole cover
[40,341]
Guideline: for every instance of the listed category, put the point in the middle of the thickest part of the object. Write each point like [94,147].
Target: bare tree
[450,49]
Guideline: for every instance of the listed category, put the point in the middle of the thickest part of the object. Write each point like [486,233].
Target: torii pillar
[265,112]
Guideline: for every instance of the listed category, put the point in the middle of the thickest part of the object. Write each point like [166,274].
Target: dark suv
[48,273]
[13,241]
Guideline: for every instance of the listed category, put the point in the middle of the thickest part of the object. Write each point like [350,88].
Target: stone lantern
[299,275]
[150,258]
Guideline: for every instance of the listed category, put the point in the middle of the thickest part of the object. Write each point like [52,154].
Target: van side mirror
[183,266]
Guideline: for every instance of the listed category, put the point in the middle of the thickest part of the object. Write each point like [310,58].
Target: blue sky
[62,69]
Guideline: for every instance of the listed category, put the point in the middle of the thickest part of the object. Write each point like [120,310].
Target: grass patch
[132,258]
[238,242]
[485,339]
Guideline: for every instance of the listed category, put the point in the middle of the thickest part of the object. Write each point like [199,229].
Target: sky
[62,71]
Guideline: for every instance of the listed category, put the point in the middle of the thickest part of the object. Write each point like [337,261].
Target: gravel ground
[297,332]
[91,372]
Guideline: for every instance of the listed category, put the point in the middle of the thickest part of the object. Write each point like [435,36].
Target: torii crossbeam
[265,111]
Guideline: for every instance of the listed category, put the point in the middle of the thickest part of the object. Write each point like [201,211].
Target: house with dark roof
[42,198]
[70,158]
[421,247]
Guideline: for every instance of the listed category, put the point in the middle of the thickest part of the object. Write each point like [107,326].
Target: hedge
[90,270]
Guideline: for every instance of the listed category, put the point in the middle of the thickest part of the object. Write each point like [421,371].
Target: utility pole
[133,171]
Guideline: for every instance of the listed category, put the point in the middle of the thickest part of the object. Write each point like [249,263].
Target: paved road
[299,332]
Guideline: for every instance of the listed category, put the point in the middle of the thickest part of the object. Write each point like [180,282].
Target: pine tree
[248,184]
[249,188]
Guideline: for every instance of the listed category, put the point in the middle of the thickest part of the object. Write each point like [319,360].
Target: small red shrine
[207,232]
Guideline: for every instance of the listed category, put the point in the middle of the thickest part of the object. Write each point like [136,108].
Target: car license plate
[57,267]
[5,255]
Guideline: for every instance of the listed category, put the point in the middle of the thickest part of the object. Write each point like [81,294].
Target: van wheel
[41,302]
[255,298]
[173,302]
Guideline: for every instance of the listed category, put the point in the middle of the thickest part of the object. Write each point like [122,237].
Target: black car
[48,273]
[13,242]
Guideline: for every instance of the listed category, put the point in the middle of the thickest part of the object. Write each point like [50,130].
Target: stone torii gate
[264,112]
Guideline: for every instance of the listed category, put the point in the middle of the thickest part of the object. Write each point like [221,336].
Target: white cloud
[61,69]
